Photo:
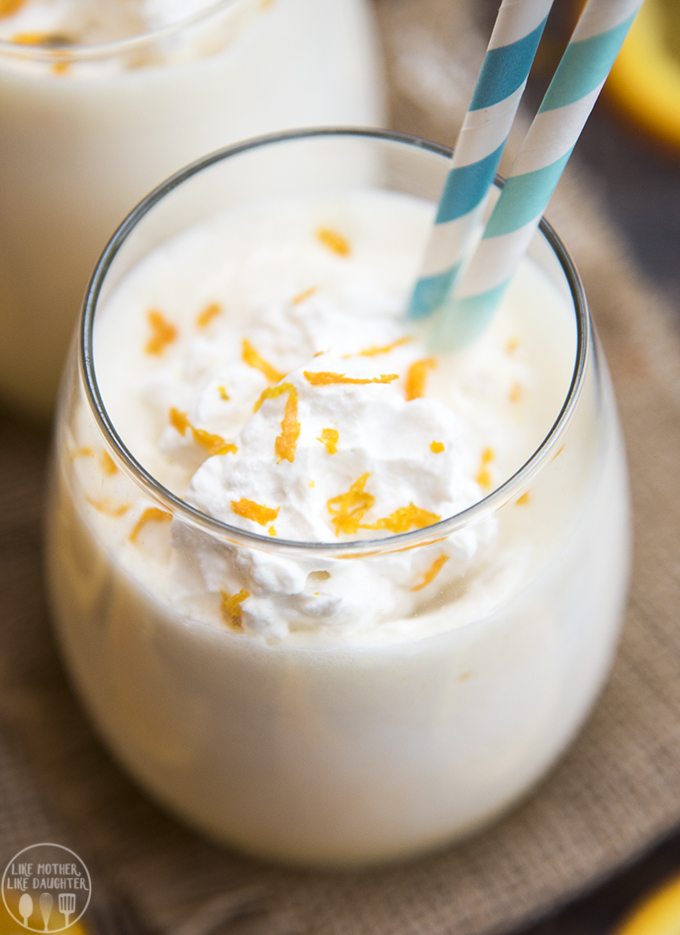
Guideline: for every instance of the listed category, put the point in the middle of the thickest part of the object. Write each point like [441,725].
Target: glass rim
[81,51]
[423,536]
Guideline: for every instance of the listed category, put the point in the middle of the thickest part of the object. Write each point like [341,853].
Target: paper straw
[552,136]
[483,135]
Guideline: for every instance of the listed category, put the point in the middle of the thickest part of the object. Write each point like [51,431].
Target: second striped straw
[482,138]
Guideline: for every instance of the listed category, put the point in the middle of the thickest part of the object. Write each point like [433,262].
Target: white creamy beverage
[101,100]
[337,703]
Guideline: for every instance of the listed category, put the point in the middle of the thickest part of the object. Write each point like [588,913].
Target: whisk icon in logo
[46,888]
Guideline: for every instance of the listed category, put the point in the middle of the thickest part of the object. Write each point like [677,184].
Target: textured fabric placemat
[615,791]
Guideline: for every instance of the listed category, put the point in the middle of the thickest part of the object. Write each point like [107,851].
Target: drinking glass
[316,750]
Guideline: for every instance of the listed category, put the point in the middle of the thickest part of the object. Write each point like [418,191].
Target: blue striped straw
[572,93]
[482,138]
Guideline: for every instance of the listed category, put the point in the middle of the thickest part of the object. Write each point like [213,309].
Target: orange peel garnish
[163,332]
[204,317]
[404,519]
[152,514]
[511,345]
[376,349]
[523,499]
[222,390]
[256,512]
[230,607]
[330,438]
[285,445]
[251,357]
[515,393]
[437,447]
[349,508]
[304,295]
[327,378]
[416,377]
[109,509]
[214,444]
[108,464]
[30,38]
[334,241]
[431,572]
[483,475]
[83,452]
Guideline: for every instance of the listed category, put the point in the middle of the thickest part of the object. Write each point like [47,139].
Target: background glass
[88,130]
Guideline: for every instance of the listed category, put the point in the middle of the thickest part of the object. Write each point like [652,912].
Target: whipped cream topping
[277,387]
[334,450]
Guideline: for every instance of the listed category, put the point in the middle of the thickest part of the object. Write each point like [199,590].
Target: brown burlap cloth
[615,791]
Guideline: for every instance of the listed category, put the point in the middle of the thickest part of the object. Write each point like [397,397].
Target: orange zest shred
[61,68]
[84,452]
[222,390]
[204,317]
[152,514]
[108,464]
[416,377]
[257,512]
[285,445]
[377,349]
[511,345]
[250,356]
[109,509]
[349,508]
[558,453]
[483,476]
[272,531]
[523,499]
[179,420]
[437,447]
[304,295]
[230,606]
[404,519]
[30,38]
[329,438]
[163,332]
[431,572]
[515,393]
[327,377]
[421,545]
[8,7]
[214,444]
[334,241]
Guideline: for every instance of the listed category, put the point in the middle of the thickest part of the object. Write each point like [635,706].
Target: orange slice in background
[658,915]
[645,80]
